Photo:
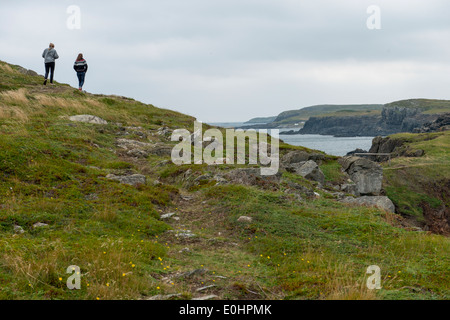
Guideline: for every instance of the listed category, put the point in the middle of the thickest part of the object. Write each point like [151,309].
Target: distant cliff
[393,119]
[260,120]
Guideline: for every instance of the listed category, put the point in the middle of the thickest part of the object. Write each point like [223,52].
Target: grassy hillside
[304,114]
[420,187]
[427,106]
[261,120]
[53,171]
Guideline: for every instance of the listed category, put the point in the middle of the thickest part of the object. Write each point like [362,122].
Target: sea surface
[337,146]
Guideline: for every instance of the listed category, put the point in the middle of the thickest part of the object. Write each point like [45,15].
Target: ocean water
[336,146]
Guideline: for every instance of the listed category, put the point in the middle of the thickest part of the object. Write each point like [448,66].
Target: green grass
[412,182]
[314,251]
[54,171]
[428,106]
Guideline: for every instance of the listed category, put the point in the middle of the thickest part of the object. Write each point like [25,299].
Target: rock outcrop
[304,164]
[442,123]
[393,119]
[307,169]
[380,202]
[87,118]
[366,174]
[253,177]
[300,156]
[395,146]
[27,72]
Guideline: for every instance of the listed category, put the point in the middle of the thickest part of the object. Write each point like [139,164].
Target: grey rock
[350,188]
[311,171]
[385,145]
[220,180]
[294,167]
[294,157]
[205,288]
[167,215]
[245,219]
[316,157]
[381,202]
[210,297]
[161,150]
[442,123]
[193,273]
[18,229]
[138,153]
[86,118]
[39,225]
[139,131]
[202,178]
[164,131]
[366,174]
[134,179]
[187,174]
[165,297]
[185,234]
[27,71]
[253,177]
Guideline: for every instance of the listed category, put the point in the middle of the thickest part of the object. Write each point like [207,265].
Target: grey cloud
[231,60]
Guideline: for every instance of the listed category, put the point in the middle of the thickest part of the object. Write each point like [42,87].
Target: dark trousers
[50,66]
[81,76]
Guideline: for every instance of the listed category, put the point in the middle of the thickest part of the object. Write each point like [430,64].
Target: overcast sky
[231,60]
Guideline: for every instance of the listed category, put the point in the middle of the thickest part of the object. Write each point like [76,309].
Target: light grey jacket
[50,55]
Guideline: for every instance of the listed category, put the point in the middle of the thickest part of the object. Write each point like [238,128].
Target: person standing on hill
[81,67]
[50,55]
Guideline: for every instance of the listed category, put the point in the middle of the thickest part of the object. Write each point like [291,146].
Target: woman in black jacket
[81,68]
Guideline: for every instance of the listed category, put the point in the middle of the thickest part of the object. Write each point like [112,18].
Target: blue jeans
[49,68]
[81,76]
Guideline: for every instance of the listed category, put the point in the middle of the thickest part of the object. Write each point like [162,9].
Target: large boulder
[87,118]
[366,174]
[350,188]
[309,170]
[253,177]
[442,123]
[27,71]
[294,157]
[380,202]
[161,150]
[385,145]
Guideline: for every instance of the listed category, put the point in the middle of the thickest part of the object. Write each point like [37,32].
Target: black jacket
[80,66]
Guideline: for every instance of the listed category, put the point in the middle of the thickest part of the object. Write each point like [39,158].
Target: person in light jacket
[81,67]
[50,55]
